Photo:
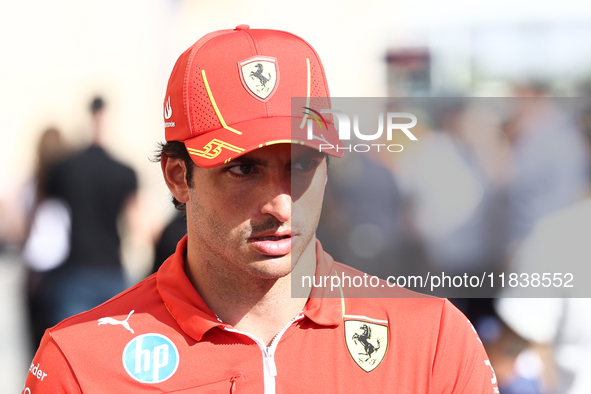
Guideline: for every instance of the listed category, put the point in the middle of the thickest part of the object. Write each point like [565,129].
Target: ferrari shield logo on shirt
[259,76]
[150,358]
[367,342]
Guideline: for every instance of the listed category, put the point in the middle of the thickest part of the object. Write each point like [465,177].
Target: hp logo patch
[150,358]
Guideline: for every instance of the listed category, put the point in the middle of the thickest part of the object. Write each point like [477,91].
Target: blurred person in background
[548,158]
[98,190]
[456,182]
[559,329]
[46,244]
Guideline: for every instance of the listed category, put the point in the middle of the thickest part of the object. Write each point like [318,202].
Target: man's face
[257,214]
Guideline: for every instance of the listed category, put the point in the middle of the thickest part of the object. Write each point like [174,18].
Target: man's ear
[175,176]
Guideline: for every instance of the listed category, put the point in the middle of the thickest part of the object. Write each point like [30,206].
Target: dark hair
[97,105]
[177,150]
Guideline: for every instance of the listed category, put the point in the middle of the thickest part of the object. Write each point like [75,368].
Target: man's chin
[271,270]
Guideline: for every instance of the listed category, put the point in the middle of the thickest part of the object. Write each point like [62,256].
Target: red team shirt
[160,337]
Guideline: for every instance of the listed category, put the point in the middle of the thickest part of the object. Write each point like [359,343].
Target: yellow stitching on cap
[308,94]
[281,142]
[213,149]
[215,107]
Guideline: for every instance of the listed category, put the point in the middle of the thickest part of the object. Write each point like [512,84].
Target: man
[98,190]
[219,315]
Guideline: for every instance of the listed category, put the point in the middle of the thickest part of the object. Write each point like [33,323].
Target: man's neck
[260,307]
[263,317]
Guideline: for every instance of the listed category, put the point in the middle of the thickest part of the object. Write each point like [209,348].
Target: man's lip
[271,235]
[272,243]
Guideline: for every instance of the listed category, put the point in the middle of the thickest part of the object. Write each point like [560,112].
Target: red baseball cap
[231,92]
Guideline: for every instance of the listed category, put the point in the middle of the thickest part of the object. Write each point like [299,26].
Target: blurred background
[56,57]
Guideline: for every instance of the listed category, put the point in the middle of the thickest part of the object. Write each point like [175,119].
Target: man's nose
[277,197]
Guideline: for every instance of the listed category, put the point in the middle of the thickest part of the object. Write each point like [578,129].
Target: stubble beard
[228,254]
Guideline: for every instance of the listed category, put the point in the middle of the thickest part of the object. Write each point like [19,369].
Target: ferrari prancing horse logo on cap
[259,76]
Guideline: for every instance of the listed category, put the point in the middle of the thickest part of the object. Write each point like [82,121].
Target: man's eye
[304,165]
[242,169]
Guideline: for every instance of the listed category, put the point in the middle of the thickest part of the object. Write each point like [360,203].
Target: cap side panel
[308,84]
[320,97]
[176,126]
[320,94]
[220,60]
[215,107]
[321,72]
[201,110]
[186,88]
[201,113]
[178,117]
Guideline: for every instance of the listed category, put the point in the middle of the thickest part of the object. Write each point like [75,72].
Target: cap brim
[220,146]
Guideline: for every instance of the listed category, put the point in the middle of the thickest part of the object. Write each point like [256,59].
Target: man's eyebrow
[258,161]
[254,161]
[308,156]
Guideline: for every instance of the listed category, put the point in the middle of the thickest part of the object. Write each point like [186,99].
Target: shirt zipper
[269,367]
[233,386]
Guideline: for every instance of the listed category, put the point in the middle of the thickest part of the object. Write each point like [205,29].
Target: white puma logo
[110,320]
